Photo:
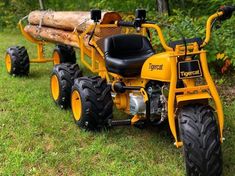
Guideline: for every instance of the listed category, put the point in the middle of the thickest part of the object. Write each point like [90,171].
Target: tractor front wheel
[200,136]
[91,103]
[62,79]
[17,61]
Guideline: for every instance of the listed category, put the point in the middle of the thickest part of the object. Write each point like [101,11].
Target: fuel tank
[157,67]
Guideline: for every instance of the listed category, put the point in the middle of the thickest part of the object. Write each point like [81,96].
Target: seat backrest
[126,44]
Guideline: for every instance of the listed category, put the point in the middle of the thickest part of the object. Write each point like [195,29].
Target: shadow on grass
[161,134]
[35,75]
[39,73]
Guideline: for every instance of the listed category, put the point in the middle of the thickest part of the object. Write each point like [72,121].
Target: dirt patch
[227,90]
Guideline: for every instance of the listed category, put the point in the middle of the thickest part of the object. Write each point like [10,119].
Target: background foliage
[187,16]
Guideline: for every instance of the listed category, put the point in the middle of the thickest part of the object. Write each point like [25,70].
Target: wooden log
[56,36]
[71,20]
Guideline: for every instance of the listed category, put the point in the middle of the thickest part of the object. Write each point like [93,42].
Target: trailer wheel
[64,54]
[91,103]
[200,136]
[17,61]
[62,79]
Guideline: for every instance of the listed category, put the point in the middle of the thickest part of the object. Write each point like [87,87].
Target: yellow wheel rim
[8,63]
[56,58]
[76,103]
[55,87]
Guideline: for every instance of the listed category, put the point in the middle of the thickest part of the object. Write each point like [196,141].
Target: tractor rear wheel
[91,103]
[64,54]
[200,136]
[17,61]
[62,79]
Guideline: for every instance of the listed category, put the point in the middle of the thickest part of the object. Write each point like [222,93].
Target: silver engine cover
[137,104]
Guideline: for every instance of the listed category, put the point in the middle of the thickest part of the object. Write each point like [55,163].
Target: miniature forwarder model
[152,87]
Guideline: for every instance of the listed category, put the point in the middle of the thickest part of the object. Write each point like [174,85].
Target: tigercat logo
[189,74]
[155,67]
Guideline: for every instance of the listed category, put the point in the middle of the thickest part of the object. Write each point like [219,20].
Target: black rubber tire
[19,61]
[200,136]
[66,53]
[97,103]
[66,74]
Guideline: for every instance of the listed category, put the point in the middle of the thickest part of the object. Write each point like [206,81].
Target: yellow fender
[190,97]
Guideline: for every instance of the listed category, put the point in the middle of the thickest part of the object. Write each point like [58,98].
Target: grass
[37,138]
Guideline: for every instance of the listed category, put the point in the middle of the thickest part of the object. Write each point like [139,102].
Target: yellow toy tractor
[174,85]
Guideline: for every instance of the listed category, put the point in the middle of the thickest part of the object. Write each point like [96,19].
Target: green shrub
[179,24]
[188,18]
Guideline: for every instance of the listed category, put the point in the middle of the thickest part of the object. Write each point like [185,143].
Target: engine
[137,104]
[157,101]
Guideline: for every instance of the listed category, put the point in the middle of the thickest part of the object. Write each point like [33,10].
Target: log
[71,20]
[56,35]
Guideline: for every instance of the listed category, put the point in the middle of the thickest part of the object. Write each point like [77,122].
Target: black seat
[125,54]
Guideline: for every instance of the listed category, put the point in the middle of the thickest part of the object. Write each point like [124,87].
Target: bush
[188,19]
[222,39]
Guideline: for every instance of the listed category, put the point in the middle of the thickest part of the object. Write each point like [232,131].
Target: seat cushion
[125,54]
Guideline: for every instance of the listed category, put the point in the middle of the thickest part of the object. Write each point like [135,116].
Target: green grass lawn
[38,138]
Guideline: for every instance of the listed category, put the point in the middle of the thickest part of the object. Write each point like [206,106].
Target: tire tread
[97,102]
[66,74]
[200,135]
[20,61]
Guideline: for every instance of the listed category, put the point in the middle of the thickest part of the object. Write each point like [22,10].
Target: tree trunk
[52,35]
[56,35]
[41,4]
[60,27]
[162,6]
[6,3]
[69,20]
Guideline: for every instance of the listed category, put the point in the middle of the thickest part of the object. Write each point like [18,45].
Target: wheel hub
[56,58]
[8,63]
[76,105]
[55,87]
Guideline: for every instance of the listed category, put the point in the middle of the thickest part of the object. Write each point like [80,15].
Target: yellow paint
[76,104]
[41,61]
[122,101]
[56,58]
[214,93]
[157,67]
[171,98]
[208,27]
[160,35]
[26,35]
[40,57]
[135,81]
[8,63]
[145,95]
[55,87]
[178,144]
[190,97]
[189,82]
[135,119]
[190,89]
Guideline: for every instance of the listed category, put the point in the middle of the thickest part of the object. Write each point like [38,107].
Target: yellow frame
[97,64]
[206,91]
[40,56]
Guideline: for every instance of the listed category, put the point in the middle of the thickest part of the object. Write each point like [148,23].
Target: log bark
[71,20]
[56,35]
